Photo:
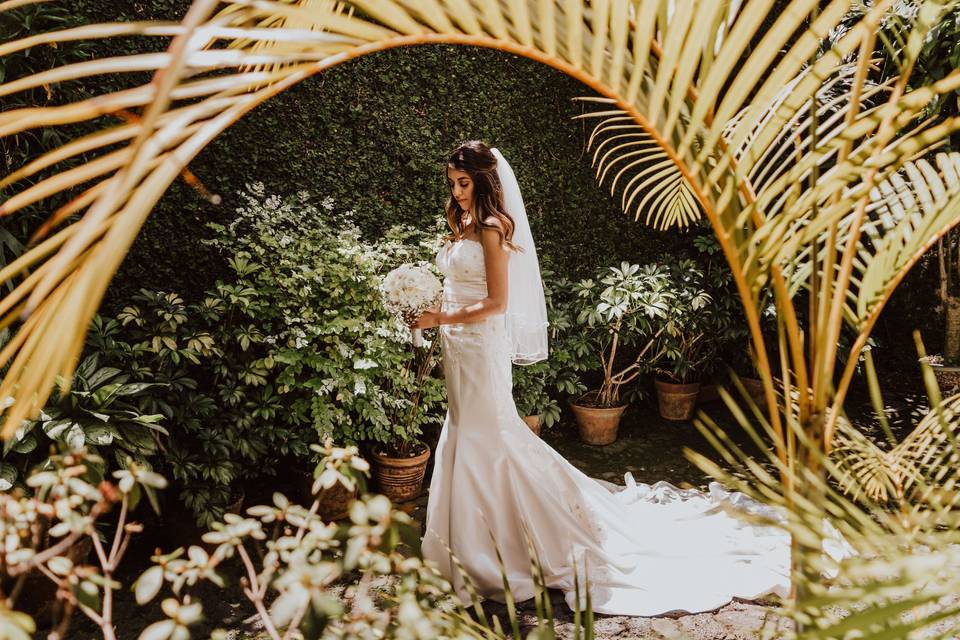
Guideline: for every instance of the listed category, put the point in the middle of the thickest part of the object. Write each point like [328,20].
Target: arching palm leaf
[789,180]
[652,184]
[680,73]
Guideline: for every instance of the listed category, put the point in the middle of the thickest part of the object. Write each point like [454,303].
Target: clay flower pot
[597,425]
[948,377]
[534,423]
[676,401]
[400,479]
[754,387]
[334,502]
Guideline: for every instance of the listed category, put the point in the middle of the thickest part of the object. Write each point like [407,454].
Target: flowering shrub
[43,536]
[616,317]
[684,328]
[304,577]
[341,361]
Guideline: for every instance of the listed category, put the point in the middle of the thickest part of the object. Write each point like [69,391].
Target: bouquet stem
[417,338]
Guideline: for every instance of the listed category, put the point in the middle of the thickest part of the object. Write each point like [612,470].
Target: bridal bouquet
[408,291]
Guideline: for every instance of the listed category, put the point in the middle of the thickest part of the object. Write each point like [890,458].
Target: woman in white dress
[646,550]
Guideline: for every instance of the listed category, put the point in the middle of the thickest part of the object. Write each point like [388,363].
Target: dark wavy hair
[475,158]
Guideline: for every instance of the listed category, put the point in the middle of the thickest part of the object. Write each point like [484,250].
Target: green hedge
[373,135]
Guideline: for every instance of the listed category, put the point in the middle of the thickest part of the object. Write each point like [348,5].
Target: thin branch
[60,632]
[295,621]
[39,559]
[119,535]
[263,613]
[256,591]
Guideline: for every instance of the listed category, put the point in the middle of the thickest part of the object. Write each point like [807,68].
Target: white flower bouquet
[408,291]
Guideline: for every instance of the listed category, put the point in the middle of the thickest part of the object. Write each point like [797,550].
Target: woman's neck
[469,225]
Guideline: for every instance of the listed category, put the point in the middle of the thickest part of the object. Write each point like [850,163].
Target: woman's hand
[429,318]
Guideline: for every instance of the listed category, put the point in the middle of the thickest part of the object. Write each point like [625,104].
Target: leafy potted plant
[616,313]
[682,341]
[946,366]
[532,383]
[104,413]
[531,393]
[400,463]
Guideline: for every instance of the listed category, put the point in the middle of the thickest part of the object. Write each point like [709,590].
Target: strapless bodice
[464,271]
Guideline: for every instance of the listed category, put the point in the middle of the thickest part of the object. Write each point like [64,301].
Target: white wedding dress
[646,550]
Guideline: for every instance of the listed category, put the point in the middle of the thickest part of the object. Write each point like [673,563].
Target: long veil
[526,315]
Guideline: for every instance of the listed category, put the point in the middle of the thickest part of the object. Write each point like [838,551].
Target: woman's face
[461,187]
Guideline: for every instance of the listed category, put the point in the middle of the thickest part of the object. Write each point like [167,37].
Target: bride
[646,550]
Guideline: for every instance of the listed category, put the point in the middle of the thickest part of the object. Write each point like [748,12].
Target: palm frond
[656,186]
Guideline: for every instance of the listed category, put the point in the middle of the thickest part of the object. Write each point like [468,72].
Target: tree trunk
[951,347]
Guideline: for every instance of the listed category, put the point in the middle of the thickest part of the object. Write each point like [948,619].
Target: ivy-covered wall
[373,135]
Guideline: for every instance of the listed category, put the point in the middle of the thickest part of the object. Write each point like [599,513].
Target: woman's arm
[495,259]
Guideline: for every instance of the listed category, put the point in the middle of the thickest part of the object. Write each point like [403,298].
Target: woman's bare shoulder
[492,224]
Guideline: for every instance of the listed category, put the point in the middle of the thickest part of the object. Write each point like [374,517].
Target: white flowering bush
[48,537]
[305,577]
[341,361]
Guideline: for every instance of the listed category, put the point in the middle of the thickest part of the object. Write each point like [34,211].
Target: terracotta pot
[708,393]
[334,502]
[400,479]
[676,401]
[948,378]
[534,423]
[597,425]
[754,387]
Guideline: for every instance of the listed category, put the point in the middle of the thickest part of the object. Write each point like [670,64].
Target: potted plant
[532,383]
[338,479]
[682,341]
[399,462]
[946,366]
[615,316]
[531,394]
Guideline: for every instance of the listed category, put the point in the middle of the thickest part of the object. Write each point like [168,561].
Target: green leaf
[55,428]
[75,437]
[100,434]
[88,594]
[148,584]
[27,444]
[8,475]
[101,376]
[105,395]
[139,438]
[136,387]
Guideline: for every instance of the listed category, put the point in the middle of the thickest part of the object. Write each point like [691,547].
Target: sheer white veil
[526,315]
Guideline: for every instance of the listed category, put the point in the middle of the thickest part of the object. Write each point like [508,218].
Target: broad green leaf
[8,475]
